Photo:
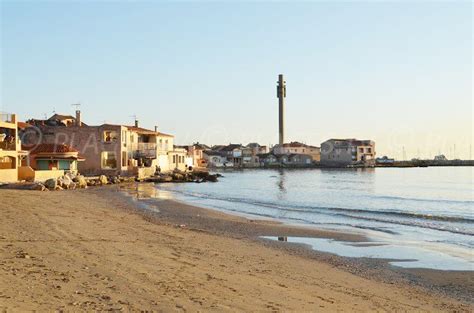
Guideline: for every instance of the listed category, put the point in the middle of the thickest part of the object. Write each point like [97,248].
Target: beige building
[113,149]
[344,152]
[9,148]
[298,148]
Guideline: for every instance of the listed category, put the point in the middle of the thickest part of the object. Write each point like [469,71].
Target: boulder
[65,182]
[178,177]
[103,180]
[38,186]
[73,186]
[81,182]
[211,178]
[51,184]
[58,188]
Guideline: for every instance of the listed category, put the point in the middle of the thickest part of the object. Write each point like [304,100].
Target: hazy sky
[398,72]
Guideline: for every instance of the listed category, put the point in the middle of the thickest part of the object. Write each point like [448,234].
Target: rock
[178,177]
[211,178]
[58,188]
[38,186]
[103,180]
[51,184]
[65,182]
[73,186]
[81,181]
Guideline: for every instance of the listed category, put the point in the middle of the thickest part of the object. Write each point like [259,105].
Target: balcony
[144,150]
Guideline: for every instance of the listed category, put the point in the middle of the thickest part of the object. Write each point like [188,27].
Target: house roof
[211,153]
[201,146]
[353,141]
[23,125]
[145,131]
[61,117]
[296,144]
[231,147]
[49,148]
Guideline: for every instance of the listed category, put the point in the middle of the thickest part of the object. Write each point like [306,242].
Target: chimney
[78,118]
[136,123]
[281,94]
[156,129]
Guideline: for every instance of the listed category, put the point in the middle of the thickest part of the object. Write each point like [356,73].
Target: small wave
[401,218]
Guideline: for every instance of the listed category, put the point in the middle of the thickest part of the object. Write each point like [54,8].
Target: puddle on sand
[403,256]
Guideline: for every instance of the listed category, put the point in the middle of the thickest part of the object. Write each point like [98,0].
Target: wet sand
[98,250]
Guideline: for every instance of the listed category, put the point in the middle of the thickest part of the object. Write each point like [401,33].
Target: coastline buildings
[344,152]
[111,149]
[298,148]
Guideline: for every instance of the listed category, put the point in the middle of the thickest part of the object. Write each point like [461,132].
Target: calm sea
[423,216]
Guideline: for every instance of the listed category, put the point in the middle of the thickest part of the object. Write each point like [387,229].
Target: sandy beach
[96,249]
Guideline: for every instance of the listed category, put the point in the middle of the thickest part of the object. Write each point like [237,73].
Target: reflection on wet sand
[142,191]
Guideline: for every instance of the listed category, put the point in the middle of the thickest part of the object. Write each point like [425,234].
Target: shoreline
[97,249]
[458,284]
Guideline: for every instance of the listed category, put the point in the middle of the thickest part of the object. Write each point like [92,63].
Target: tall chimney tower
[281,94]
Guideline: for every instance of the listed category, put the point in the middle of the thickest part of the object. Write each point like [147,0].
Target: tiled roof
[23,125]
[49,148]
[231,147]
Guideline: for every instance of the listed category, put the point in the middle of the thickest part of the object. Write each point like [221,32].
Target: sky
[399,72]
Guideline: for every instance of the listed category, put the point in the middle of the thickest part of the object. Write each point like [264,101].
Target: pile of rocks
[178,176]
[70,182]
[107,180]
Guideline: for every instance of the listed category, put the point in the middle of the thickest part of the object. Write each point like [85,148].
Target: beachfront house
[216,159]
[298,148]
[47,161]
[113,149]
[345,152]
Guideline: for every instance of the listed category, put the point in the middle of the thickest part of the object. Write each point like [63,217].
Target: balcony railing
[144,149]
[7,146]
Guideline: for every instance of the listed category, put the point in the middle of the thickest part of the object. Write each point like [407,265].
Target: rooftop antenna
[77,105]
[135,119]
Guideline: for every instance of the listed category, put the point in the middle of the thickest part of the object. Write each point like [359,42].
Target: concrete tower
[281,94]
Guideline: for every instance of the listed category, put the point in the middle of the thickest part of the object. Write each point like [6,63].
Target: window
[174,158]
[7,163]
[124,158]
[109,160]
[361,150]
[369,150]
[110,136]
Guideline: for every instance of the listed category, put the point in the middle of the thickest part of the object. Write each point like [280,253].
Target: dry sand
[88,250]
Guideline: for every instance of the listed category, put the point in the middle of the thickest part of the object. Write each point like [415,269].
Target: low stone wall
[41,176]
